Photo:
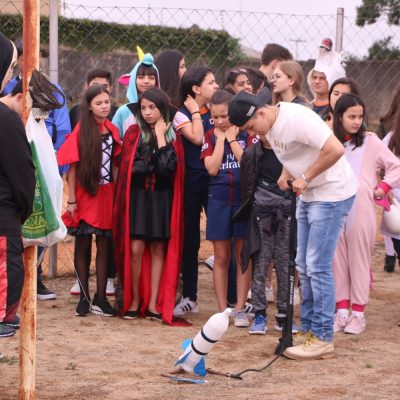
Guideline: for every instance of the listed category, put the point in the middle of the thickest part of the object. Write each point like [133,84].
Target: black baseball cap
[242,108]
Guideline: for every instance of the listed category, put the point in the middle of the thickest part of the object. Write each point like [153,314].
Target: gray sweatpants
[274,246]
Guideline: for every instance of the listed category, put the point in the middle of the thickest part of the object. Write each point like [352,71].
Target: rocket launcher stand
[286,319]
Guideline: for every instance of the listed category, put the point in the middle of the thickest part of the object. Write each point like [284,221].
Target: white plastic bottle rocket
[192,360]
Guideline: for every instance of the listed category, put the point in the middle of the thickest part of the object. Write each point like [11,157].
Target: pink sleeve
[389,162]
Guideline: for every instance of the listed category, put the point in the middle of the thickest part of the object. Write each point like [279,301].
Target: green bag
[43,219]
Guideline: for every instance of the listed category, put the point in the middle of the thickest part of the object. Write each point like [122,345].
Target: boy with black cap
[17,186]
[313,160]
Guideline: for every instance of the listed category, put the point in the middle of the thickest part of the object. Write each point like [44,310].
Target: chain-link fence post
[53,67]
[339,29]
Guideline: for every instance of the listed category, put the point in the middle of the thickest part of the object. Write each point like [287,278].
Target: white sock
[343,312]
[359,314]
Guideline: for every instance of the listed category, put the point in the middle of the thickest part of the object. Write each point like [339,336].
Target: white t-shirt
[297,138]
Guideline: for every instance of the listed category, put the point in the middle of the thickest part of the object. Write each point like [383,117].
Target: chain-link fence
[106,37]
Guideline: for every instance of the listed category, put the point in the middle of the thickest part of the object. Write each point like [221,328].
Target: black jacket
[249,174]
[17,173]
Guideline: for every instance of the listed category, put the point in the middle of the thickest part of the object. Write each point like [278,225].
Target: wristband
[384,186]
[196,112]
[71,202]
[307,180]
[234,140]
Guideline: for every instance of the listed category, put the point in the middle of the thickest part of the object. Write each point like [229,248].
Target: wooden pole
[27,358]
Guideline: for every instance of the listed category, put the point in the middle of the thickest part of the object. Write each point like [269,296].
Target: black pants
[111,270]
[11,276]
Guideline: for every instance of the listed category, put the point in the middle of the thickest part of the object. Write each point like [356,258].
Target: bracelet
[307,180]
[196,112]
[71,202]
[234,140]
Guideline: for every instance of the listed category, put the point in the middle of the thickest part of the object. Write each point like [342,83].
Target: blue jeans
[319,225]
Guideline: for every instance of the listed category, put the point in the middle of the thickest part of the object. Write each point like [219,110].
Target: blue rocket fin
[200,368]
[185,345]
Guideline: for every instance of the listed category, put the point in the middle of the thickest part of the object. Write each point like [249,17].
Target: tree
[370,11]
[382,50]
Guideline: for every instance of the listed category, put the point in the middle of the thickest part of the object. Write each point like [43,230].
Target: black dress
[152,191]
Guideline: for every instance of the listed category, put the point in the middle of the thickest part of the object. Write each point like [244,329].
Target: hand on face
[231,133]
[161,127]
[191,104]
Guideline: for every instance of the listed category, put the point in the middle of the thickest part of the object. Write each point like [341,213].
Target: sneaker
[43,293]
[296,296]
[248,309]
[15,323]
[110,289]
[83,307]
[241,320]
[269,294]
[210,263]
[6,331]
[259,325]
[339,323]
[76,289]
[390,262]
[311,349]
[102,307]
[184,306]
[295,328]
[133,314]
[153,316]
[356,325]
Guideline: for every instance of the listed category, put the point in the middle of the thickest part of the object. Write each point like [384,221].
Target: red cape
[69,153]
[121,233]
[95,210]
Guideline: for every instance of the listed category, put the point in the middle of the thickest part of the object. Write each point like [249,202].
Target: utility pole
[297,41]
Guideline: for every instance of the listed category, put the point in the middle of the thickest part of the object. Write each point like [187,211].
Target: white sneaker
[184,306]
[269,294]
[75,290]
[296,296]
[110,289]
[241,320]
[210,262]
[248,309]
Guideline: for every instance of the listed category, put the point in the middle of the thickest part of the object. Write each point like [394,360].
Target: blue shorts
[220,225]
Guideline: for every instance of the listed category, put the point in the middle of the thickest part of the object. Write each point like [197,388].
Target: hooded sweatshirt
[17,172]
[124,116]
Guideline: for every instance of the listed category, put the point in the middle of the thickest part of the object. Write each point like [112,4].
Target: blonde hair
[293,70]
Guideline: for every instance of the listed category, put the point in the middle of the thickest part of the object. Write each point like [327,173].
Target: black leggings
[82,258]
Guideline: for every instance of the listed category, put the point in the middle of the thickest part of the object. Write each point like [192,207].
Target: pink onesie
[352,261]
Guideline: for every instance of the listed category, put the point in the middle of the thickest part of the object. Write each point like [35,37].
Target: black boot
[390,262]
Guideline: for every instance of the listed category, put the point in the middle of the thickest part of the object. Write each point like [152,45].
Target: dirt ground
[112,358]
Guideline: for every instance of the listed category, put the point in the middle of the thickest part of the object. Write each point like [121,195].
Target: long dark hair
[344,102]
[162,101]
[168,68]
[192,77]
[354,89]
[394,142]
[387,121]
[89,145]
[231,76]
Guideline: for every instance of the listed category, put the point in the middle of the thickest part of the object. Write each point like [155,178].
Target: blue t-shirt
[224,187]
[195,173]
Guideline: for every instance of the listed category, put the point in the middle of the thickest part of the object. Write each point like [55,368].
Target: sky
[298,25]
